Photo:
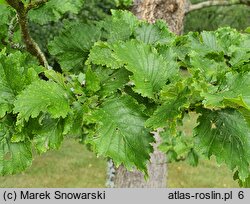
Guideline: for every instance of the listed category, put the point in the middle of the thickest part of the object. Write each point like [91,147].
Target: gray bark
[173,12]
[157,170]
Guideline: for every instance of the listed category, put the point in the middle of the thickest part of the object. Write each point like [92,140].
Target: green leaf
[227,38]
[101,54]
[247,30]
[245,183]
[128,17]
[124,2]
[48,134]
[73,124]
[92,81]
[18,71]
[225,134]
[15,75]
[235,90]
[3,2]
[193,42]
[71,47]
[168,112]
[193,158]
[156,33]
[209,68]
[15,157]
[113,81]
[42,96]
[120,26]
[7,97]
[57,77]
[210,41]
[150,71]
[121,134]
[53,10]
[5,13]
[174,99]
[177,146]
[240,54]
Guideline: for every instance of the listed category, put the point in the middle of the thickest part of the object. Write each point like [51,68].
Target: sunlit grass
[206,175]
[72,166]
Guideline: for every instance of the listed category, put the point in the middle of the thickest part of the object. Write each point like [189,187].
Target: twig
[205,4]
[31,46]
[11,31]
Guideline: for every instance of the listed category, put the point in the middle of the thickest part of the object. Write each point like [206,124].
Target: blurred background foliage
[236,16]
[211,18]
[91,12]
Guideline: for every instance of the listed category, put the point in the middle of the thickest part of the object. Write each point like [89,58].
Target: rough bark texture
[173,12]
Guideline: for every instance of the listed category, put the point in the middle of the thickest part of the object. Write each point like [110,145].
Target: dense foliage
[120,79]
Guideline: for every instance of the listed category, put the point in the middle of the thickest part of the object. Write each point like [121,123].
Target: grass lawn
[72,166]
[75,167]
[206,175]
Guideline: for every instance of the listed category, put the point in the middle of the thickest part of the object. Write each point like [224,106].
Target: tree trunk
[157,170]
[173,12]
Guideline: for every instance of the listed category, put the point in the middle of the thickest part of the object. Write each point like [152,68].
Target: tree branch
[31,46]
[14,3]
[11,31]
[205,4]
[36,4]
